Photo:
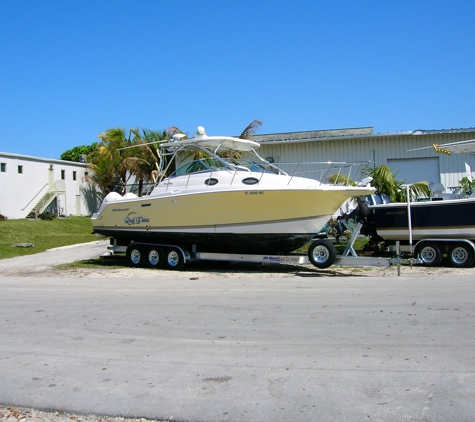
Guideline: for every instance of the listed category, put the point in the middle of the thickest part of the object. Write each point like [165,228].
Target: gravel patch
[22,414]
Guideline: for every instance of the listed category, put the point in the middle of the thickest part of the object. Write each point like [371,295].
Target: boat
[442,216]
[437,218]
[218,204]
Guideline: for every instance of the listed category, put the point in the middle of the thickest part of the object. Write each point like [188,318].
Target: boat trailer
[321,253]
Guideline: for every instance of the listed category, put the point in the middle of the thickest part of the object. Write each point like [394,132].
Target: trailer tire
[461,255]
[174,259]
[156,257]
[430,254]
[135,255]
[322,253]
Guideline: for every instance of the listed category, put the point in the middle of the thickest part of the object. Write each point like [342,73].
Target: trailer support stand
[349,247]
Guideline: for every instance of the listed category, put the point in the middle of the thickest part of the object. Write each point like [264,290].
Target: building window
[20,169]
[74,175]
[63,174]
[3,167]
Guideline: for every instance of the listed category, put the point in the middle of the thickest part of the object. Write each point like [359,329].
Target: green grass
[43,234]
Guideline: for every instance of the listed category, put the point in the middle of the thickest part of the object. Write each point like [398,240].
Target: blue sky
[72,69]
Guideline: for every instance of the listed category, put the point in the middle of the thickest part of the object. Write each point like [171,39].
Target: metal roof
[338,134]
[40,159]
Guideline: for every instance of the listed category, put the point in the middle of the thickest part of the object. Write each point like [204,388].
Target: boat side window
[250,181]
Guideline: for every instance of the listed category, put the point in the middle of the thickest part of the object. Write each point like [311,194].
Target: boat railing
[329,172]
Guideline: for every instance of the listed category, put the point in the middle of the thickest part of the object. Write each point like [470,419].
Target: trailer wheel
[430,254]
[174,259]
[322,253]
[135,255]
[461,255]
[156,257]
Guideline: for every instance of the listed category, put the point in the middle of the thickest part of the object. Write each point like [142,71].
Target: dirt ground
[223,270]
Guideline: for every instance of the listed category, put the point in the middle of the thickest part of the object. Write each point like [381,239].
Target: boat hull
[447,219]
[241,221]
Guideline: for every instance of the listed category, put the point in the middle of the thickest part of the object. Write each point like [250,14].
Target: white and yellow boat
[224,204]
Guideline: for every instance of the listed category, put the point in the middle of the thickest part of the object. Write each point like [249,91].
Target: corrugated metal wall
[375,148]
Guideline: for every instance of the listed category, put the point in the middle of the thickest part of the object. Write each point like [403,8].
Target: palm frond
[251,129]
[420,189]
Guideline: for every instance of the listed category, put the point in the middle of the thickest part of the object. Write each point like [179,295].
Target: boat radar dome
[178,136]
[201,131]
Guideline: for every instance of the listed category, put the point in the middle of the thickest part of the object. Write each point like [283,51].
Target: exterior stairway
[59,187]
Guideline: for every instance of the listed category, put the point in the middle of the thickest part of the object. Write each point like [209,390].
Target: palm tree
[121,155]
[106,161]
[385,182]
[146,164]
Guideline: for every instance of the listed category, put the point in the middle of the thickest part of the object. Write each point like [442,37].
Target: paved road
[254,349]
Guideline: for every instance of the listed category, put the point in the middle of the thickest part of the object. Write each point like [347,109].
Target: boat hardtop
[214,143]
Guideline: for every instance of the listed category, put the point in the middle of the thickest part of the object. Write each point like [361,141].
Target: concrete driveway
[56,256]
[256,349]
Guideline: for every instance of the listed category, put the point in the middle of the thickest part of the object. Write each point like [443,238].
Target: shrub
[46,216]
[2,217]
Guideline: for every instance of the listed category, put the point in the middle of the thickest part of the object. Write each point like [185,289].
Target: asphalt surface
[256,349]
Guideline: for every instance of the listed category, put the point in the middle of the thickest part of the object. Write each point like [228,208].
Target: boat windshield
[212,164]
[198,166]
[253,166]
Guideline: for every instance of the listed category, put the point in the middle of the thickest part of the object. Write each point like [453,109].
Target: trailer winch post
[398,252]
[409,220]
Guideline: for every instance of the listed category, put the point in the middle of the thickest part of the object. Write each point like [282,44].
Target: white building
[409,154]
[32,185]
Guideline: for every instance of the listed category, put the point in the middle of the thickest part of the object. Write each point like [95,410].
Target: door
[413,170]
[78,205]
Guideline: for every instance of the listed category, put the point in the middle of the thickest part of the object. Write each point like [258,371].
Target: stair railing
[32,199]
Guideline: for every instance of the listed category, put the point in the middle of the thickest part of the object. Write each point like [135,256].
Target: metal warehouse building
[410,154]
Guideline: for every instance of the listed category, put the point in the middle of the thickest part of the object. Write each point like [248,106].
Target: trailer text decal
[131,219]
[281,259]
